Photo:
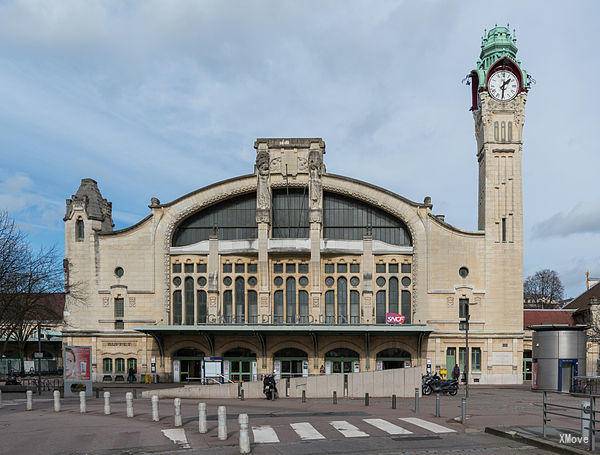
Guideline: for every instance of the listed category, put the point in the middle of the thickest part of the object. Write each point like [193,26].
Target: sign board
[394,318]
[463,325]
[77,361]
[277,369]
[38,355]
[305,368]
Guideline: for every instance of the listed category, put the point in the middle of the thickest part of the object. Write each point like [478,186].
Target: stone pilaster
[367,269]
[315,192]
[213,279]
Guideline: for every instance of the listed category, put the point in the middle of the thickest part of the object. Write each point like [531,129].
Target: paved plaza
[284,426]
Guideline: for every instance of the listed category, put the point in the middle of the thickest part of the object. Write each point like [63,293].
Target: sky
[158,98]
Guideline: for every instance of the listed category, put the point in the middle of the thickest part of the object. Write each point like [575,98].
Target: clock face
[503,85]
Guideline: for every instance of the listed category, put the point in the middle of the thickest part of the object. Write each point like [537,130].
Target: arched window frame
[79,230]
[177,307]
[188,309]
[278,307]
[342,300]
[107,365]
[201,304]
[228,306]
[240,300]
[290,300]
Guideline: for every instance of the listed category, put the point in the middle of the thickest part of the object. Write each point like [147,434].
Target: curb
[535,441]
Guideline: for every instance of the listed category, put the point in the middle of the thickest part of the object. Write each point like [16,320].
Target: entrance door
[527,365]
[290,361]
[240,364]
[393,358]
[342,360]
[567,370]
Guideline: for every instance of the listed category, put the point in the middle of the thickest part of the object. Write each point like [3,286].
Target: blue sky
[159,98]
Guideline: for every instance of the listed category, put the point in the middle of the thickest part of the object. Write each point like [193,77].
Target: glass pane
[227,268]
[252,307]
[240,268]
[227,306]
[329,307]
[201,307]
[189,300]
[303,268]
[252,268]
[342,268]
[188,268]
[380,307]
[380,268]
[354,307]
[290,268]
[406,307]
[176,268]
[290,213]
[405,268]
[303,304]
[329,268]
[355,268]
[290,298]
[177,307]
[342,298]
[278,268]
[201,268]
[394,295]
[278,307]
[240,300]
[393,268]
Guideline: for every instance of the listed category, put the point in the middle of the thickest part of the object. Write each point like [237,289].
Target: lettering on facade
[117,343]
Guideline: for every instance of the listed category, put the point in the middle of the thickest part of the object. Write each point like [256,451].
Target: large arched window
[290,213]
[351,219]
[354,307]
[406,307]
[329,307]
[303,305]
[252,307]
[380,307]
[177,307]
[342,300]
[227,306]
[394,295]
[234,219]
[189,300]
[79,230]
[278,307]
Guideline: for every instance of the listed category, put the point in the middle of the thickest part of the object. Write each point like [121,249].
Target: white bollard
[82,406]
[244,436]
[222,422]
[177,403]
[56,401]
[107,403]
[155,408]
[129,401]
[202,418]
[29,395]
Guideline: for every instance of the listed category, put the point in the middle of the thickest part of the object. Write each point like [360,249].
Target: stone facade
[140,306]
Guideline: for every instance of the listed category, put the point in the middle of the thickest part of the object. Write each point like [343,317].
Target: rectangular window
[342,268]
[405,268]
[380,268]
[406,307]
[107,365]
[393,268]
[463,308]
[278,268]
[278,307]
[120,365]
[201,268]
[354,268]
[119,324]
[177,307]
[290,268]
[119,308]
[380,307]
[252,268]
[329,307]
[504,229]
[475,359]
[303,304]
[176,268]
[240,268]
[329,268]
[188,268]
[227,268]
[252,307]
[461,359]
[201,307]
[354,307]
[227,306]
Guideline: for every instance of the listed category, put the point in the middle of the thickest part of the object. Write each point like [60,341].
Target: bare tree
[543,289]
[28,281]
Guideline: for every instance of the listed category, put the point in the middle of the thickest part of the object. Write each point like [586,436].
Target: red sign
[394,318]
[77,362]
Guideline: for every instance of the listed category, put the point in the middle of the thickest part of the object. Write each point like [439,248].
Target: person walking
[456,372]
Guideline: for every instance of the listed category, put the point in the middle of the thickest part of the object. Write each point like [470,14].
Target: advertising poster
[77,361]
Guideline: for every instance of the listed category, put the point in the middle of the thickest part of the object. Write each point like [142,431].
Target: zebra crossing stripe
[306,431]
[347,429]
[433,427]
[264,434]
[386,426]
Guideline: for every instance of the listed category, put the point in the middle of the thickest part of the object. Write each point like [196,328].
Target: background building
[297,270]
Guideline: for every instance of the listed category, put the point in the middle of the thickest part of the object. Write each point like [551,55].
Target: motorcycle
[270,388]
[435,384]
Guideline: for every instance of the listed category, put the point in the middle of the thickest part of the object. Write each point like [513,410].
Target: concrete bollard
[393,401]
[202,418]
[304,396]
[82,404]
[107,403]
[177,404]
[416,400]
[366,399]
[242,394]
[29,395]
[463,410]
[334,397]
[56,401]
[437,405]
[155,417]
[129,401]
[244,436]
[222,423]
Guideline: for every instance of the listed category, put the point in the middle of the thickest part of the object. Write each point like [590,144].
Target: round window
[354,281]
[463,272]
[177,281]
[202,281]
[381,281]
[252,281]
[278,281]
[119,272]
[329,281]
[405,281]
[227,281]
[303,281]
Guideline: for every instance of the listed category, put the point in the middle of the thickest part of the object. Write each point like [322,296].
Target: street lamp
[464,321]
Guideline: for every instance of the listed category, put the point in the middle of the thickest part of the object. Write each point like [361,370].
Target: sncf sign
[394,318]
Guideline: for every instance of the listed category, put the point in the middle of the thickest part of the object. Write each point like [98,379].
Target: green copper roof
[495,44]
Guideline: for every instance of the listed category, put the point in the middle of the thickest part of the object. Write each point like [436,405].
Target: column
[213,279]
[367,269]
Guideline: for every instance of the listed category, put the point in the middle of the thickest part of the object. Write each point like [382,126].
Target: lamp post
[464,321]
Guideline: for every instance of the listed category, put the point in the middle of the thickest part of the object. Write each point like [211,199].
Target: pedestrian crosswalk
[306,431]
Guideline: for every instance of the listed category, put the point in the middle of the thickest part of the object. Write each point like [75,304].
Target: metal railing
[46,383]
[586,385]
[552,409]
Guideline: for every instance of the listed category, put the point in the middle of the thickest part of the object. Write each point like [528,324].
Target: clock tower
[499,91]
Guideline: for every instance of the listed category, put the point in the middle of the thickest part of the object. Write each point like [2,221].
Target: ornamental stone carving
[263,192]
[315,170]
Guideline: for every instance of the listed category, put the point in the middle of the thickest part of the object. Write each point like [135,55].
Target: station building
[295,269]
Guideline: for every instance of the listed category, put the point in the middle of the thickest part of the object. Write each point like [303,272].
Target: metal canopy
[295,328]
